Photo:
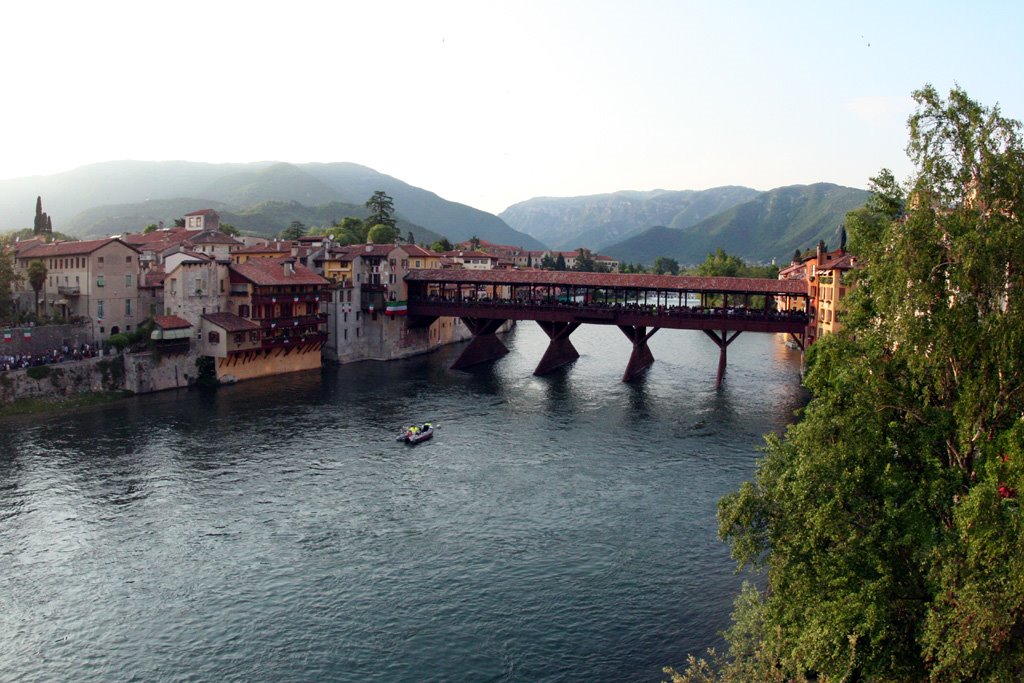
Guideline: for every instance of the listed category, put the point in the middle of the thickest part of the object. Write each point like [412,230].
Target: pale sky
[491,103]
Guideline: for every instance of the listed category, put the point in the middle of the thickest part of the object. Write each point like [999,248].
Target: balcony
[291,323]
[374,287]
[69,290]
[287,298]
[294,341]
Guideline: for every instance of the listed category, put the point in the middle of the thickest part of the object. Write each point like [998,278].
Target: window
[346,333]
[239,338]
[128,258]
[128,308]
[100,281]
[99,259]
[128,279]
[174,282]
[99,310]
[405,264]
[221,286]
[344,317]
[417,263]
[357,316]
[214,337]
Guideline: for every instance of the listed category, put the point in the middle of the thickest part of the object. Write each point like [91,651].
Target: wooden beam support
[723,344]
[484,346]
[641,358]
[560,350]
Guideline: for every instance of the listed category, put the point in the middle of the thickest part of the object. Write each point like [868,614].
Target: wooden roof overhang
[621,281]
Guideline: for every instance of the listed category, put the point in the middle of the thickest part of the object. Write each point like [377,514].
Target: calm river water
[557,528]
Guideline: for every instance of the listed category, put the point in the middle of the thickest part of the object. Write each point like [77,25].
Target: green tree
[36,280]
[441,246]
[179,222]
[294,231]
[9,280]
[229,229]
[349,230]
[559,262]
[382,234]
[382,210]
[721,264]
[548,263]
[664,265]
[410,238]
[887,518]
[152,227]
[584,261]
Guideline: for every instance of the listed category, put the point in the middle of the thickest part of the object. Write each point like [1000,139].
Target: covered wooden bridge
[639,305]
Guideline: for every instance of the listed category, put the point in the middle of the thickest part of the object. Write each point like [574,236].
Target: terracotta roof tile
[212,237]
[154,277]
[271,271]
[171,322]
[143,238]
[616,280]
[416,250]
[70,248]
[271,247]
[230,322]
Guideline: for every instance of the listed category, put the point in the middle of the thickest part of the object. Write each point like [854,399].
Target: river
[556,528]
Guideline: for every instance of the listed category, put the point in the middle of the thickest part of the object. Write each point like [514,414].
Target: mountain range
[687,225]
[597,221]
[260,198]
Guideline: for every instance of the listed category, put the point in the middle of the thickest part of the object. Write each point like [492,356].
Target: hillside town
[247,307]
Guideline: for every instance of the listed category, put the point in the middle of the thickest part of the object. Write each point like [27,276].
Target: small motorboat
[417,433]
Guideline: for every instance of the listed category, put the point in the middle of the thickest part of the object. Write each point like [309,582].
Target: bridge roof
[684,283]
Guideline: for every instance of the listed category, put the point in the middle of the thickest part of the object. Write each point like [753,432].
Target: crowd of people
[631,306]
[18,361]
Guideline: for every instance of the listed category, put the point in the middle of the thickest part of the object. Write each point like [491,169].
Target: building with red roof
[92,281]
[827,278]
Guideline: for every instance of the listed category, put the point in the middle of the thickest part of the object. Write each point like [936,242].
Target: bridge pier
[641,358]
[484,346]
[560,350]
[723,343]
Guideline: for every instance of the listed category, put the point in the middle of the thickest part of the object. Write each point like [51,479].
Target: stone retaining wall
[139,373]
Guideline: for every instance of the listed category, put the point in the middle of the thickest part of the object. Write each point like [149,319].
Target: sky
[492,103]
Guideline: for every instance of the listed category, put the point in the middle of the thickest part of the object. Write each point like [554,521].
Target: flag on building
[8,336]
[396,308]
[28,333]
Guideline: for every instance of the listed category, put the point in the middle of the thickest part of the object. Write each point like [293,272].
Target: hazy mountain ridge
[596,221]
[155,191]
[770,226]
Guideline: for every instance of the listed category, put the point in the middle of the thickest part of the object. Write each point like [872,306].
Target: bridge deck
[669,317]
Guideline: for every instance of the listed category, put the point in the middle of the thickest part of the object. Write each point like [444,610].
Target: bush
[119,341]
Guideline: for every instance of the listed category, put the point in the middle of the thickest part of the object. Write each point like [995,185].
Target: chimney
[289,267]
[820,252]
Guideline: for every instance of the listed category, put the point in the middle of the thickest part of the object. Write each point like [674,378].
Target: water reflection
[556,527]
